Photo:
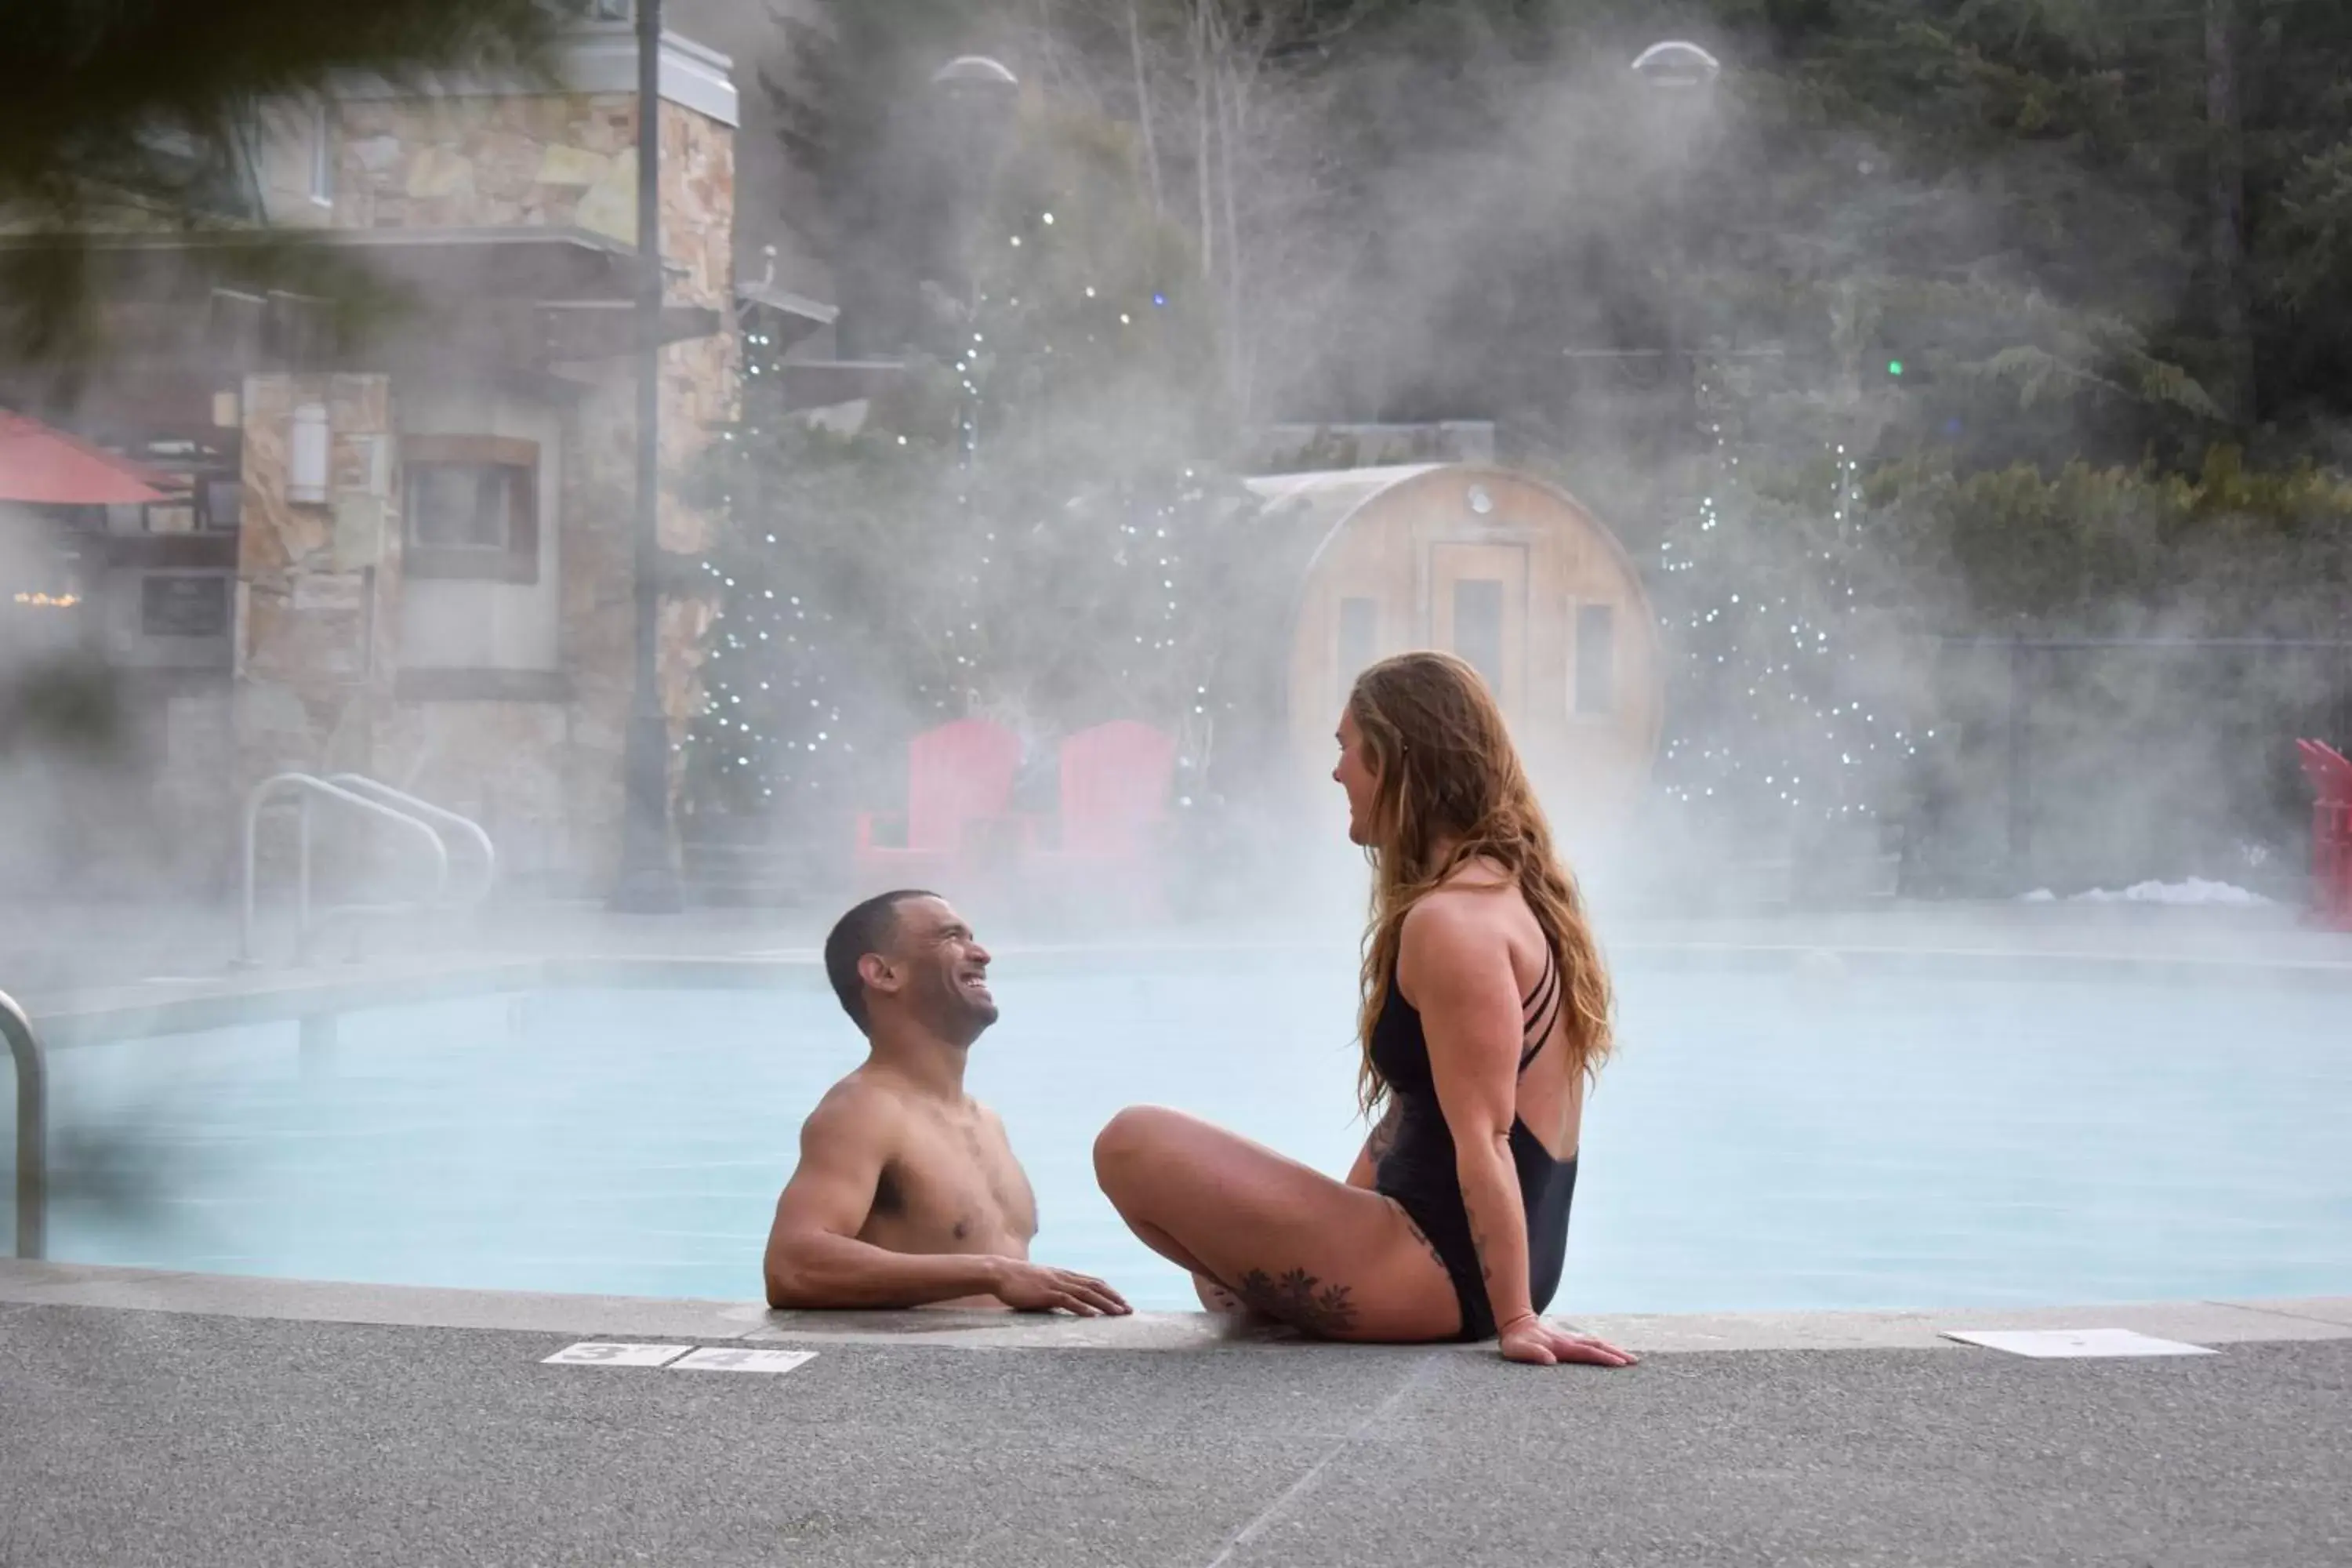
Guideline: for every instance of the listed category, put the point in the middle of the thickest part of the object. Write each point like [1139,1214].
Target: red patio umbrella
[42,466]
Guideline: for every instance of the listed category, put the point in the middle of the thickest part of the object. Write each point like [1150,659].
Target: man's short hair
[868,928]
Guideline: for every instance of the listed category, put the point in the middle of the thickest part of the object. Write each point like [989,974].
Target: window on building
[223,503]
[43,597]
[1596,659]
[463,506]
[183,605]
[1359,640]
[1478,627]
[472,505]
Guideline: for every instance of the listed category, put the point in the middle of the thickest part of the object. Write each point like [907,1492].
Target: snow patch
[2195,891]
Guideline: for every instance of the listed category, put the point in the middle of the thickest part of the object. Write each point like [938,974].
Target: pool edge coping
[101,1287]
[102,1015]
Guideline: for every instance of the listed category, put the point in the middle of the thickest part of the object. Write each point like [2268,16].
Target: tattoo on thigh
[1228,1298]
[1300,1300]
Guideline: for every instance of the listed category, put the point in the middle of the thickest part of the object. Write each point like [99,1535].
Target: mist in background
[1917,333]
[1913,333]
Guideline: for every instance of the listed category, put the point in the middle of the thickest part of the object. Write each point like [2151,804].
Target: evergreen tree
[2006,194]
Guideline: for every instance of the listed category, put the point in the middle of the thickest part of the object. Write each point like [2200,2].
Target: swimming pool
[1768,1139]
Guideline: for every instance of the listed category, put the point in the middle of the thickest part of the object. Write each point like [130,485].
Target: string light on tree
[1759,595]
[977,536]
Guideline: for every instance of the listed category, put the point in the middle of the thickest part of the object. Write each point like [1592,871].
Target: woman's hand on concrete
[1539,1344]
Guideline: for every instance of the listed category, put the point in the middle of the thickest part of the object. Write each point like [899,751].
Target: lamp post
[981,91]
[1676,72]
[973,98]
[976,96]
[648,879]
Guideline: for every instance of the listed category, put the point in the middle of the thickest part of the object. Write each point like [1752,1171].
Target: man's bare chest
[955,1184]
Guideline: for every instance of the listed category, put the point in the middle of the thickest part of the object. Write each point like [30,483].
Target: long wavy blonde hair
[1450,790]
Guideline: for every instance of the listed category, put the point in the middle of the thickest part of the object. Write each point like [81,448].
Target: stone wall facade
[543,770]
[317,585]
[508,766]
[552,160]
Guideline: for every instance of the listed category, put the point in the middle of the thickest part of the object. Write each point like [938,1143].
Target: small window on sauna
[472,505]
[1596,659]
[1478,628]
[1359,640]
[322,153]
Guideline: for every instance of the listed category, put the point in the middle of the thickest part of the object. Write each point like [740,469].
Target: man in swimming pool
[907,1193]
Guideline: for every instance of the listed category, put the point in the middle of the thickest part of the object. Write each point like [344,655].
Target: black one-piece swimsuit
[1418,1171]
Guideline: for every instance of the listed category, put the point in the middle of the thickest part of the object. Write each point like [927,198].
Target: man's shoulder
[860,1106]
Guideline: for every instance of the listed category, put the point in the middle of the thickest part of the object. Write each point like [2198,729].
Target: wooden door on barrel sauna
[1478,612]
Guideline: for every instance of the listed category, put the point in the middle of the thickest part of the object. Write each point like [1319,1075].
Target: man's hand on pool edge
[1033,1288]
[1533,1340]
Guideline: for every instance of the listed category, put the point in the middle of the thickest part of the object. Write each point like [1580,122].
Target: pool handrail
[465,826]
[308,786]
[31,1130]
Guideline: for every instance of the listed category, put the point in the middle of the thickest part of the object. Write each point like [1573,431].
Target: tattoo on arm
[1478,1240]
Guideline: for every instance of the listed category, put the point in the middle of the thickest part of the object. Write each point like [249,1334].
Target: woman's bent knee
[1128,1142]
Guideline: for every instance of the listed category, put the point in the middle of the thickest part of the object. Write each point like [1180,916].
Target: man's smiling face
[945,970]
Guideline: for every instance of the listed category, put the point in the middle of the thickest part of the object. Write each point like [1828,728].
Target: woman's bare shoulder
[1465,909]
[1479,904]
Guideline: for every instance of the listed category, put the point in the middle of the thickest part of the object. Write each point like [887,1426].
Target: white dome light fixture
[1678,63]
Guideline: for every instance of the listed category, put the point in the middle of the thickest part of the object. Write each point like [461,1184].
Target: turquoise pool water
[1765,1141]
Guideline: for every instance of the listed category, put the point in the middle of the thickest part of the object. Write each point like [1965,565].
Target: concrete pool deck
[187,1419]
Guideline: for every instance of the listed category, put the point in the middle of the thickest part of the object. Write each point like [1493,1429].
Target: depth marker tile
[733,1359]
[602,1352]
[2052,1344]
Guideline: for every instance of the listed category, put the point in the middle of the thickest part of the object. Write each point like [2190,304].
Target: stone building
[411,555]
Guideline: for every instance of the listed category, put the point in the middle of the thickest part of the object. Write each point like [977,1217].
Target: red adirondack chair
[2331,832]
[959,778]
[1113,820]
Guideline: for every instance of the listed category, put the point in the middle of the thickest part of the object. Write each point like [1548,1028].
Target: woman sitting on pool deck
[1486,1014]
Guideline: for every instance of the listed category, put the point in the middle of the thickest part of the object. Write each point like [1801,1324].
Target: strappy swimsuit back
[1418,1170]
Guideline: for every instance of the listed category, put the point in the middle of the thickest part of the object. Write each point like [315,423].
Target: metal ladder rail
[31,1130]
[311,787]
[363,784]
